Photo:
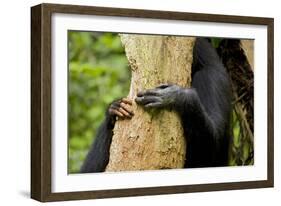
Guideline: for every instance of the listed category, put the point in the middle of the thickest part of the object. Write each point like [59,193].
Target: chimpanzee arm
[204,108]
[205,113]
[210,132]
[98,156]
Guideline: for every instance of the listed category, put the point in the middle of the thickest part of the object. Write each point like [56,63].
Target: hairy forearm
[198,128]
[192,112]
[98,156]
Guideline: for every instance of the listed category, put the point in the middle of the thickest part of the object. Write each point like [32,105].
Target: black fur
[98,156]
[205,111]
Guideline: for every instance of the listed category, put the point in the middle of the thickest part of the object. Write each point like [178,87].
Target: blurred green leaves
[98,74]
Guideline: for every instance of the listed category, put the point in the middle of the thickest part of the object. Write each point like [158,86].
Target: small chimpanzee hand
[121,108]
[162,96]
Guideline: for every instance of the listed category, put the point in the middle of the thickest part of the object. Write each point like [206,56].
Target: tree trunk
[248,47]
[152,139]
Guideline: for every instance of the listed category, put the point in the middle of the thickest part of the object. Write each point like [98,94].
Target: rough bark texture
[152,140]
[248,47]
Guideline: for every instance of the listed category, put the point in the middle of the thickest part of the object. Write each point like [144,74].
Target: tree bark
[248,47]
[152,139]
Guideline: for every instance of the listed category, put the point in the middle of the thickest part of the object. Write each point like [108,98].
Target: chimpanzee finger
[153,105]
[126,114]
[116,112]
[127,107]
[127,101]
[163,86]
[115,103]
[116,107]
[147,99]
[151,92]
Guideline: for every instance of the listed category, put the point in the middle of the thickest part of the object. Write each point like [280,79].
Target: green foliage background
[98,74]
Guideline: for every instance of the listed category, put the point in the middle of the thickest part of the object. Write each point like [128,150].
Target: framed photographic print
[132,102]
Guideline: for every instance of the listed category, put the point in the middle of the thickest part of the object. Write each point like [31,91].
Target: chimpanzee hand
[121,108]
[163,96]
